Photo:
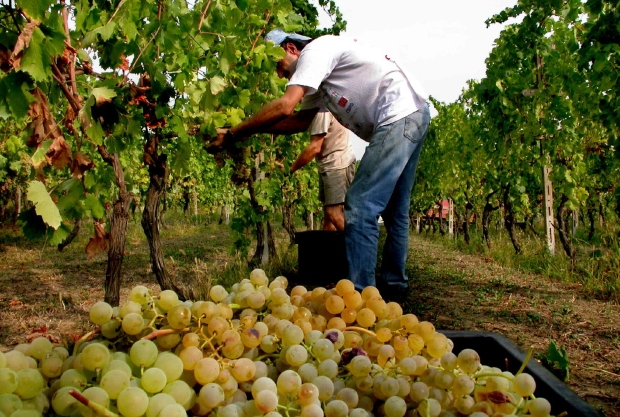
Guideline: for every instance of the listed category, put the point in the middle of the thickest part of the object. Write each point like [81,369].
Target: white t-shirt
[337,150]
[361,86]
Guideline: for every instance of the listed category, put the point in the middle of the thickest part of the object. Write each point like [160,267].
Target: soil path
[465,292]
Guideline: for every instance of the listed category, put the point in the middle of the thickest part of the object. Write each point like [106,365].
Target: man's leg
[335,185]
[396,214]
[334,217]
[385,160]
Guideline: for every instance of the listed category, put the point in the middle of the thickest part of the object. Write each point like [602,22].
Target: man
[330,146]
[372,96]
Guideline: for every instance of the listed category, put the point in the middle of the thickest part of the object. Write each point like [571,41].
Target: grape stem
[360,329]
[164,332]
[83,339]
[97,408]
[527,359]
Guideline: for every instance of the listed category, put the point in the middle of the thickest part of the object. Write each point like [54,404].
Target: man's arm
[309,153]
[273,113]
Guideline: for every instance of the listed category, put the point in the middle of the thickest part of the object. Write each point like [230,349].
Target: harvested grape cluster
[258,350]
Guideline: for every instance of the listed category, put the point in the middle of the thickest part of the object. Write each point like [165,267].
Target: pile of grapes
[259,350]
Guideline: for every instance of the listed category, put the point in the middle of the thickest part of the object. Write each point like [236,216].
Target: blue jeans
[382,186]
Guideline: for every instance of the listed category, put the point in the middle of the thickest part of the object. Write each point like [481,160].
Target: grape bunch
[260,350]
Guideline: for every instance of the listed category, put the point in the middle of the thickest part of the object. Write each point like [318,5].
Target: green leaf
[217,84]
[35,9]
[15,166]
[18,96]
[103,94]
[60,235]
[107,31]
[39,156]
[44,204]
[235,116]
[93,204]
[36,59]
[242,4]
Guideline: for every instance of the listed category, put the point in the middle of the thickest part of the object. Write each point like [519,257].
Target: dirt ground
[463,292]
[45,292]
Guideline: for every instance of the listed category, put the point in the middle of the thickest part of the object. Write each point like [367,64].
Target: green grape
[118,364]
[258,277]
[39,347]
[539,407]
[218,293]
[73,378]
[8,381]
[170,364]
[524,384]
[29,383]
[206,370]
[51,366]
[292,335]
[132,402]
[26,413]
[179,316]
[96,395]
[130,307]
[173,410]
[395,407]
[190,356]
[100,313]
[243,370]
[139,294]
[63,403]
[157,403]
[325,386]
[111,329]
[95,356]
[40,403]
[309,394]
[143,353]
[288,382]
[211,395]
[179,390]
[9,403]
[168,341]
[266,401]
[23,348]
[113,382]
[167,299]
[468,361]
[16,360]
[132,323]
[153,380]
[336,408]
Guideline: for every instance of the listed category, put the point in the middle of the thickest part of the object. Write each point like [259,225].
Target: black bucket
[498,351]
[321,257]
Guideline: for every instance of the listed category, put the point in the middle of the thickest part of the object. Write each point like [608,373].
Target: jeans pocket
[415,127]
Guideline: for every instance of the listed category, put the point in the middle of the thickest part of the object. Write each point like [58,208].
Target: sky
[444,42]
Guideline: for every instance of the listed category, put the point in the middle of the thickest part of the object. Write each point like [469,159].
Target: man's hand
[218,143]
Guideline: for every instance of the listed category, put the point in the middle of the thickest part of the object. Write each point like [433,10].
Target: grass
[596,267]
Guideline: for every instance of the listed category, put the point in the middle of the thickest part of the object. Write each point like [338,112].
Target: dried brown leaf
[59,153]
[23,40]
[97,243]
[81,164]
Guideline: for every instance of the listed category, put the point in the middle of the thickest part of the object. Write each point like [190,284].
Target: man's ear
[291,48]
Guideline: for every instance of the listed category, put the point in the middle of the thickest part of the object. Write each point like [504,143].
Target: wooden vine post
[451,217]
[547,185]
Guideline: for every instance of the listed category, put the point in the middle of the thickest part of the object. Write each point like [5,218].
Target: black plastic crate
[322,257]
[497,351]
